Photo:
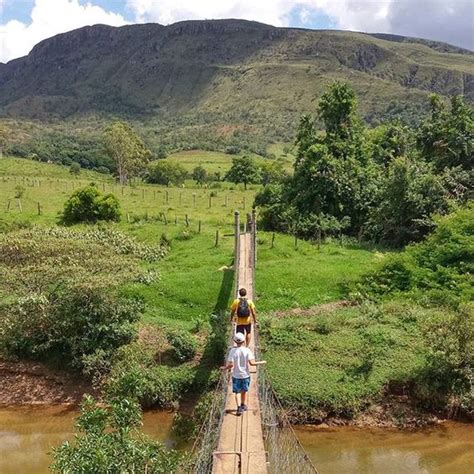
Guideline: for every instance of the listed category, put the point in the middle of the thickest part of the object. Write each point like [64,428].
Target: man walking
[240,359]
[245,311]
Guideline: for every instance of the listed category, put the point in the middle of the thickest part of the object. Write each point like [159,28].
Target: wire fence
[208,437]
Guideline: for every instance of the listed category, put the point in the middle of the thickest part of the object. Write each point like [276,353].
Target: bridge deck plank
[241,448]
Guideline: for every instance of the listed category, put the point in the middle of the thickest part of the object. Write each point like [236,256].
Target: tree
[110,442]
[166,172]
[337,109]
[126,149]
[446,138]
[272,172]
[410,195]
[199,175]
[390,141]
[88,204]
[244,170]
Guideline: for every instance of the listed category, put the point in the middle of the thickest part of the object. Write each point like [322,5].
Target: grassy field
[221,162]
[340,362]
[195,281]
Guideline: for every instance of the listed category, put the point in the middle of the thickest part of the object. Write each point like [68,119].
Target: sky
[23,23]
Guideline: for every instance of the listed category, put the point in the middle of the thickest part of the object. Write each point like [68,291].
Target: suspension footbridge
[261,440]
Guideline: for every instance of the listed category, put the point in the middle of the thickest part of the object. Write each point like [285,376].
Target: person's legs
[248,334]
[243,397]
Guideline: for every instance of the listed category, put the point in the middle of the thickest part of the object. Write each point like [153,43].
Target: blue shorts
[240,385]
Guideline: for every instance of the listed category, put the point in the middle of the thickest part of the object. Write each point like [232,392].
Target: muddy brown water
[28,434]
[444,449]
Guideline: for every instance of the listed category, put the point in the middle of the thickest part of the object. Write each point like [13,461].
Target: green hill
[222,82]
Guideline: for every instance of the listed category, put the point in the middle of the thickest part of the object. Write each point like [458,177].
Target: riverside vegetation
[159,290]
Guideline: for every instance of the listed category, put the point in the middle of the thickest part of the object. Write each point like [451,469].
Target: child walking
[240,359]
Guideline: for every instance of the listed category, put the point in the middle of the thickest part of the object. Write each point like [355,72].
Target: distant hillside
[231,76]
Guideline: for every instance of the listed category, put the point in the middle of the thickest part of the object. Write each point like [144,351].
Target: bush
[90,205]
[75,169]
[136,374]
[111,442]
[73,325]
[166,172]
[184,344]
[435,271]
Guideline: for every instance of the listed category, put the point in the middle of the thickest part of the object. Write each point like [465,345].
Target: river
[444,449]
[28,434]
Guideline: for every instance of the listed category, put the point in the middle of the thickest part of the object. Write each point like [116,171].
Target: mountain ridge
[232,72]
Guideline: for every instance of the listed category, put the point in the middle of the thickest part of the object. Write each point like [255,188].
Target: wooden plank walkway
[241,449]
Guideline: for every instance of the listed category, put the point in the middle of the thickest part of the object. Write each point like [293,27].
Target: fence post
[9,204]
[175,220]
[199,227]
[217,238]
[273,240]
[143,194]
[166,197]
[165,220]
[194,199]
[39,209]
[128,217]
[186,219]
[180,198]
[19,205]
[210,201]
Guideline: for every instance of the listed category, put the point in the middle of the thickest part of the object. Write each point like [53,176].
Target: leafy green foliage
[244,170]
[183,343]
[199,175]
[409,195]
[75,169]
[68,325]
[370,183]
[109,441]
[447,137]
[90,205]
[126,149]
[436,271]
[447,379]
[135,373]
[166,172]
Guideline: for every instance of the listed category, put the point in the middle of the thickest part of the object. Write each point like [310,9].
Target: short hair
[242,292]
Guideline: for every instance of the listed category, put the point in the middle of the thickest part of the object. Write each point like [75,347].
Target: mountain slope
[225,72]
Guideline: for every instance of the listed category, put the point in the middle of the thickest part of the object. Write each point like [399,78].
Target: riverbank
[33,383]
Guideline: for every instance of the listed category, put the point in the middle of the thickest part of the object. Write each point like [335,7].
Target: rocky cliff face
[209,66]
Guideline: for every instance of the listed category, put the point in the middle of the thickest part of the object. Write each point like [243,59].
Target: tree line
[384,183]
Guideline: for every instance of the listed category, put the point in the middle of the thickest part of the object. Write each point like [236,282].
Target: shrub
[75,168]
[435,271]
[166,172]
[111,442]
[90,205]
[184,344]
[74,325]
[136,374]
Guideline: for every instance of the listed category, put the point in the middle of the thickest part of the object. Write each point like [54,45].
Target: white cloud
[444,20]
[48,18]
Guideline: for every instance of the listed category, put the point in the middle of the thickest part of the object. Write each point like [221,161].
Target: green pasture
[340,362]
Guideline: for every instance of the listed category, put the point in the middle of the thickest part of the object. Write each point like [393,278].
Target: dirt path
[31,383]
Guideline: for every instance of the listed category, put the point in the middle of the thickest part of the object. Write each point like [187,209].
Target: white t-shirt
[240,357]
